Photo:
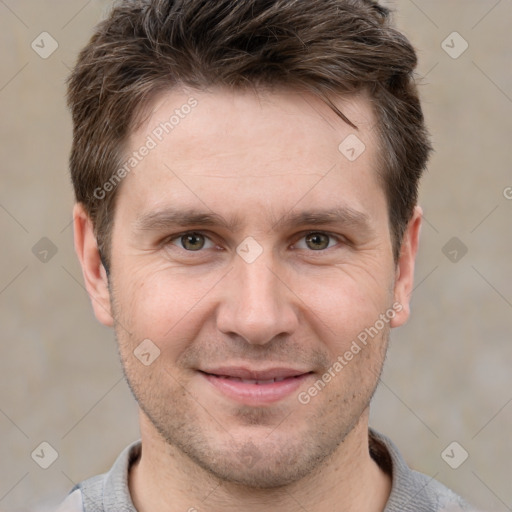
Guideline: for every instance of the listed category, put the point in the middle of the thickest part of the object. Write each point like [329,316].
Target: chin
[259,463]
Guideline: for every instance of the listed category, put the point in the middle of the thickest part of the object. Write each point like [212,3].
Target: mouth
[255,387]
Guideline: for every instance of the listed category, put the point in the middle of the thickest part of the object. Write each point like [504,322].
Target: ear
[404,279]
[95,276]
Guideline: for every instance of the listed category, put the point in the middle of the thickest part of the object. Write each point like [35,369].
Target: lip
[255,387]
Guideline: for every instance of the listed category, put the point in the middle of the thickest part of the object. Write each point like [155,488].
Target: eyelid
[171,238]
[339,238]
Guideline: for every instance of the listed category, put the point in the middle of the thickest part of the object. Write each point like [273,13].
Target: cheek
[162,304]
[343,303]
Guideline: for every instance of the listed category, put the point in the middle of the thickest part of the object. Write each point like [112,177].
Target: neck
[165,479]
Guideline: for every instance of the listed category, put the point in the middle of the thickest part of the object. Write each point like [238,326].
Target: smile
[253,387]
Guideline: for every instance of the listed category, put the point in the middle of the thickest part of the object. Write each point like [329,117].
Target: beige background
[448,376]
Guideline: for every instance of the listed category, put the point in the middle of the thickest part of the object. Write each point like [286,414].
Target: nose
[257,303]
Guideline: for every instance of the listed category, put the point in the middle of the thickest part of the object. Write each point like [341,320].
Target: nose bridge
[258,306]
[258,286]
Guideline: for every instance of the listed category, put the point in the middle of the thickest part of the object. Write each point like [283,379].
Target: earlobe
[404,280]
[95,275]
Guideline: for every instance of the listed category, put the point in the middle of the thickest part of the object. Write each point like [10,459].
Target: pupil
[318,241]
[193,242]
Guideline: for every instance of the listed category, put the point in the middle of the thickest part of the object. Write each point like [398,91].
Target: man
[246,179]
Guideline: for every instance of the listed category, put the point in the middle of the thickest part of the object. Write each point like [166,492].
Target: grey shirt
[411,491]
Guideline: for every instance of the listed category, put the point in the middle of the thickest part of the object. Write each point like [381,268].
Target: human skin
[257,158]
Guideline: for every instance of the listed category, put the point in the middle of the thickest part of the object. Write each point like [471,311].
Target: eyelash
[339,240]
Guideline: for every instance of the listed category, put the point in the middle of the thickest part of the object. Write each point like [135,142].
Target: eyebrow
[346,216]
[154,221]
[342,215]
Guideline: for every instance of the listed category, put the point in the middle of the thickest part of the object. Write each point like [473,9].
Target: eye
[317,241]
[192,241]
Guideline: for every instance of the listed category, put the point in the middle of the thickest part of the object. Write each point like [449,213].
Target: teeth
[252,381]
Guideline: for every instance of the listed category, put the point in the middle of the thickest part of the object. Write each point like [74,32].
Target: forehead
[216,116]
[227,148]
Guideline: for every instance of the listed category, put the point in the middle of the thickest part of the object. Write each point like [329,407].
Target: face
[252,255]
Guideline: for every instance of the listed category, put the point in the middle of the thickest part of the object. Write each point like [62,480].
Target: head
[270,220]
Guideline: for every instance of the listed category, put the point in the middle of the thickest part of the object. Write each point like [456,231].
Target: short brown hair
[327,47]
